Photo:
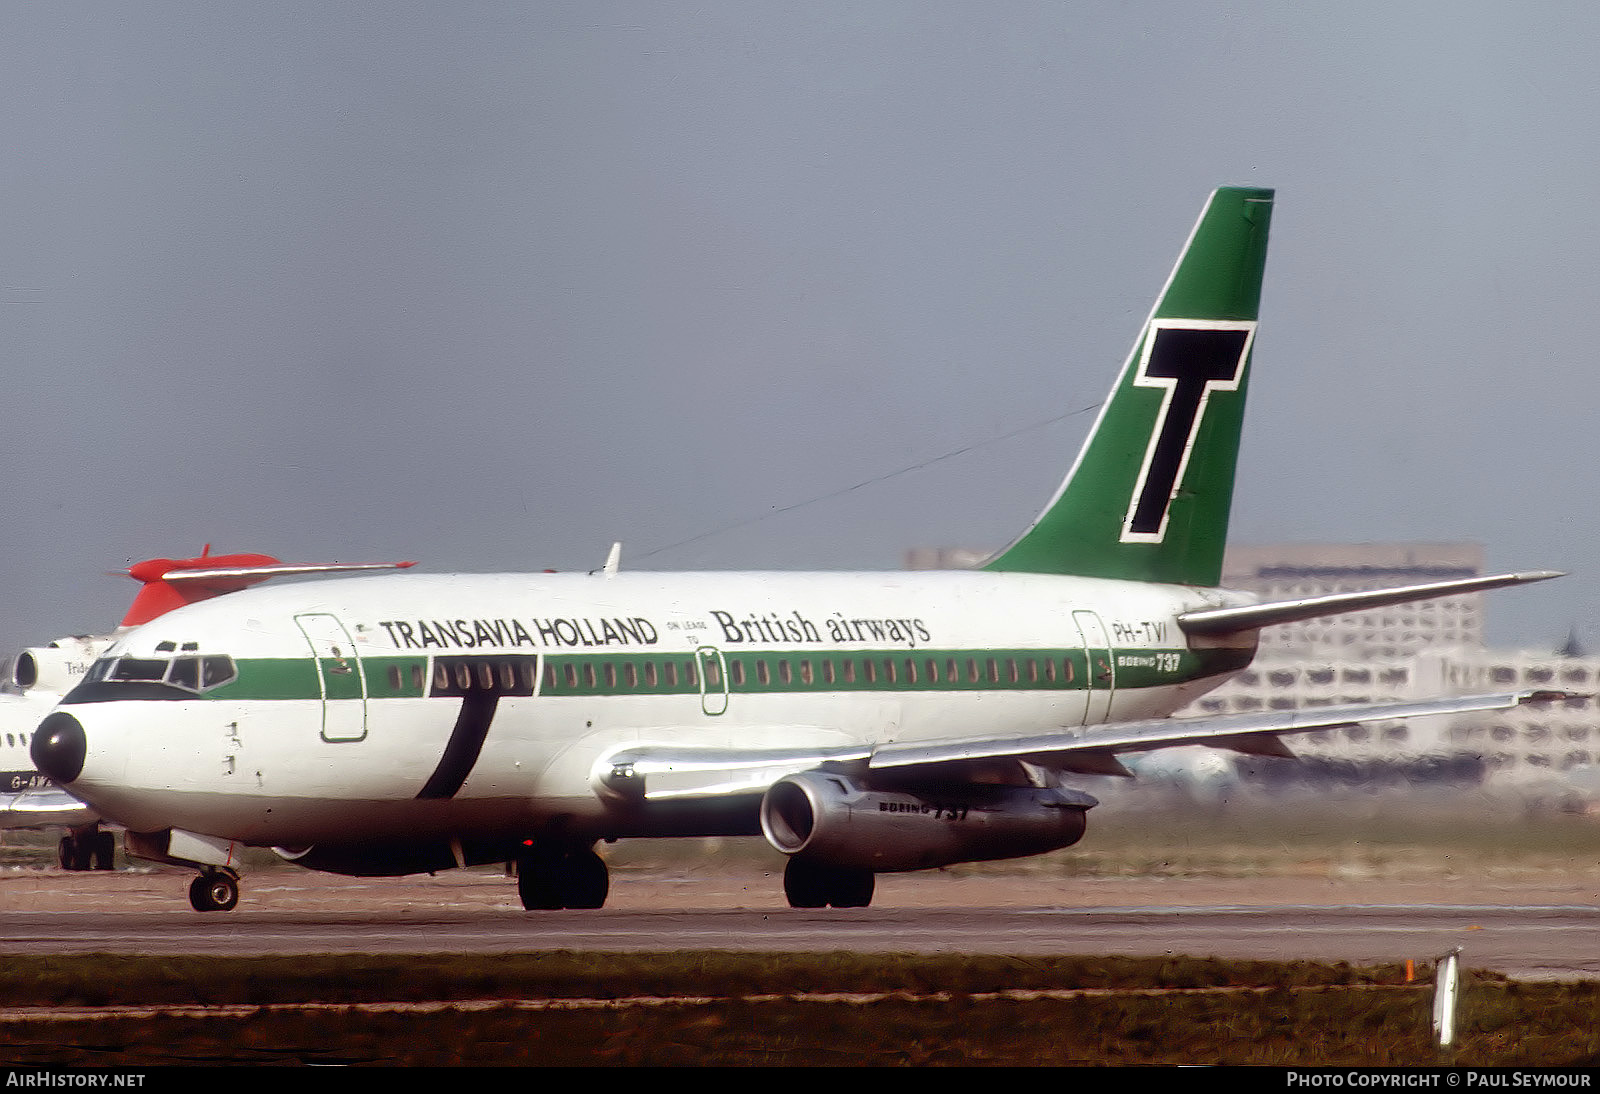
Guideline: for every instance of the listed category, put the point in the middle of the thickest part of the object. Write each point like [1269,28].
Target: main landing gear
[810,884]
[549,879]
[83,850]
[214,891]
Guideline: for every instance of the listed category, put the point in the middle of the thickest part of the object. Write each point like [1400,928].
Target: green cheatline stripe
[769,672]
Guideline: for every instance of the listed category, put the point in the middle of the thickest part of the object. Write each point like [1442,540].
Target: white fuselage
[487,705]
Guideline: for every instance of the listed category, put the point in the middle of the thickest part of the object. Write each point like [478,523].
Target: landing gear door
[1102,682]
[343,684]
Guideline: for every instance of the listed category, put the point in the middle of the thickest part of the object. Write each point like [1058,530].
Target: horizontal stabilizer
[284,569]
[173,582]
[1220,621]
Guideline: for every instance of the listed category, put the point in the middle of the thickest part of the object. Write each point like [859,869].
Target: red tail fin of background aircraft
[173,582]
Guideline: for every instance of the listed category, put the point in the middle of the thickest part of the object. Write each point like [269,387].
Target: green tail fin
[1148,498]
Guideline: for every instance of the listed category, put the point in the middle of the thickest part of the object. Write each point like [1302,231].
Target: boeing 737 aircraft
[863,722]
[41,675]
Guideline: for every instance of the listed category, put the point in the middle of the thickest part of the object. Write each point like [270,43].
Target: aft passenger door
[1102,681]
[343,684]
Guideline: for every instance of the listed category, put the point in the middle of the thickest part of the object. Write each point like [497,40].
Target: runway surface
[1523,929]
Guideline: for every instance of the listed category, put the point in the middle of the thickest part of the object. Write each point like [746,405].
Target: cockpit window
[185,673]
[190,672]
[216,670]
[141,669]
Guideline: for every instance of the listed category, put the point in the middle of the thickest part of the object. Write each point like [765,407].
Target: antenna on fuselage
[612,559]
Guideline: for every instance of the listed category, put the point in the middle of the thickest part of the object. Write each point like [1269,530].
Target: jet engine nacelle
[834,819]
[57,667]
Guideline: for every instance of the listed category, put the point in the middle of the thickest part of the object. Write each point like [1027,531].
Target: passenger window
[588,674]
[784,673]
[762,674]
[649,674]
[630,674]
[735,672]
[827,672]
[441,676]
[805,672]
[611,675]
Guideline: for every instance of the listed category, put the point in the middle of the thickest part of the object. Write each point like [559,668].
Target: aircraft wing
[664,772]
[1092,749]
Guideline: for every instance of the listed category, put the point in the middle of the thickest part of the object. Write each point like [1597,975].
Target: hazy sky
[491,285]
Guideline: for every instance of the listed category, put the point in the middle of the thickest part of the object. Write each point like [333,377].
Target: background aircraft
[37,678]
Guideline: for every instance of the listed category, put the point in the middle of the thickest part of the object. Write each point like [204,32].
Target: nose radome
[59,747]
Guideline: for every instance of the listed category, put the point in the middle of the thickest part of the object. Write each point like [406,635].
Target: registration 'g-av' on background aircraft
[41,675]
[863,722]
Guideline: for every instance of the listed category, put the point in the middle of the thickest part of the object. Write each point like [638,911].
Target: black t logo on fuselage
[1190,359]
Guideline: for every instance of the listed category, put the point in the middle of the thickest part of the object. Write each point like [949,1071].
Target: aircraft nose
[59,747]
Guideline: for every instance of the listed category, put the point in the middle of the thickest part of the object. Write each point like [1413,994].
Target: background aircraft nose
[59,747]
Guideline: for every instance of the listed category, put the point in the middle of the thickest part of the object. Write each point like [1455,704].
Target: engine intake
[57,667]
[835,819]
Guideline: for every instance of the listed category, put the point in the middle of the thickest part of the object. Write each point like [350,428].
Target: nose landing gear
[214,891]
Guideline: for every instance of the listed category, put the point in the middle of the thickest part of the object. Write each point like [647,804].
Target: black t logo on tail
[1190,358]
